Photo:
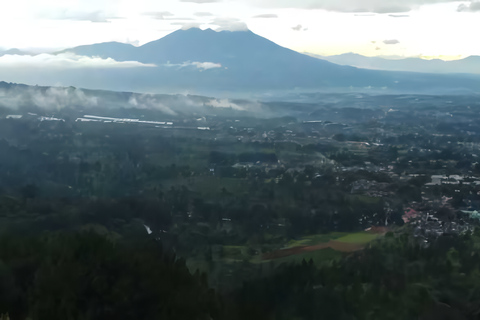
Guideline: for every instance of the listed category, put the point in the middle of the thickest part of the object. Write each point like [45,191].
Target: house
[409,215]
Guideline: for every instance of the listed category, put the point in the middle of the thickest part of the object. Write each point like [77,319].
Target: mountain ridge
[233,64]
[470,64]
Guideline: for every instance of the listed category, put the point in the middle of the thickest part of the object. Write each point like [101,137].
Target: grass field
[359,238]
[315,239]
[319,257]
[321,247]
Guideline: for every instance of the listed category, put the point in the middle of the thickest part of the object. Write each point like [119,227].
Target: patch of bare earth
[335,245]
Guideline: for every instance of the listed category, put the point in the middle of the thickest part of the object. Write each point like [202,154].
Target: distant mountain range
[230,64]
[14,51]
[467,65]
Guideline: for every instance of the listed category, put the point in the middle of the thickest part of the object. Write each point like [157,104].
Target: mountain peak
[210,30]
[472,58]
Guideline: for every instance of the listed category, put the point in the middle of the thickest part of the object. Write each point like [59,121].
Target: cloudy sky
[427,28]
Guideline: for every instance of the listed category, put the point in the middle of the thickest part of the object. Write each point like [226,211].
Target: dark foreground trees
[86,276]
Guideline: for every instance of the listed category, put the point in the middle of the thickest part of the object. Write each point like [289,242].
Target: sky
[420,28]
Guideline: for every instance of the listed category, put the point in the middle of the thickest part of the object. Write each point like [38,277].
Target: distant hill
[231,64]
[24,98]
[14,51]
[467,65]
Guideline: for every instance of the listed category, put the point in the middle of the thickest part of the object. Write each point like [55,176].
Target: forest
[277,218]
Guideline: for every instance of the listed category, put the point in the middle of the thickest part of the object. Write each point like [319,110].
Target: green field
[359,237]
[235,254]
[312,240]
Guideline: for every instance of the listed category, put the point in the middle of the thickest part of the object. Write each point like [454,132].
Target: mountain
[121,51]
[13,51]
[226,59]
[231,64]
[467,65]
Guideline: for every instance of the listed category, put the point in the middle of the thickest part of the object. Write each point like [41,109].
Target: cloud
[364,14]
[148,101]
[52,98]
[180,19]
[203,14]
[391,41]
[96,16]
[135,42]
[229,24]
[223,103]
[198,65]
[57,98]
[267,16]
[206,65]
[187,25]
[64,61]
[399,15]
[200,1]
[377,6]
[159,15]
[164,15]
[297,27]
[92,16]
[471,7]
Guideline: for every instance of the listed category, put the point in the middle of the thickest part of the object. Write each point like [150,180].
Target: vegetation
[397,278]
[87,276]
[368,215]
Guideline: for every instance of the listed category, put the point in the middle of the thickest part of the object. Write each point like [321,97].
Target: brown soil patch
[335,245]
[346,246]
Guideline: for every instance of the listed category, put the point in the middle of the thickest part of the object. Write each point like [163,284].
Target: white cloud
[266,16]
[391,41]
[65,61]
[206,65]
[203,14]
[378,6]
[148,101]
[57,98]
[198,65]
[187,25]
[229,24]
[297,27]
[76,15]
[471,7]
[223,103]
[52,98]
[160,15]
[164,15]
[200,1]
